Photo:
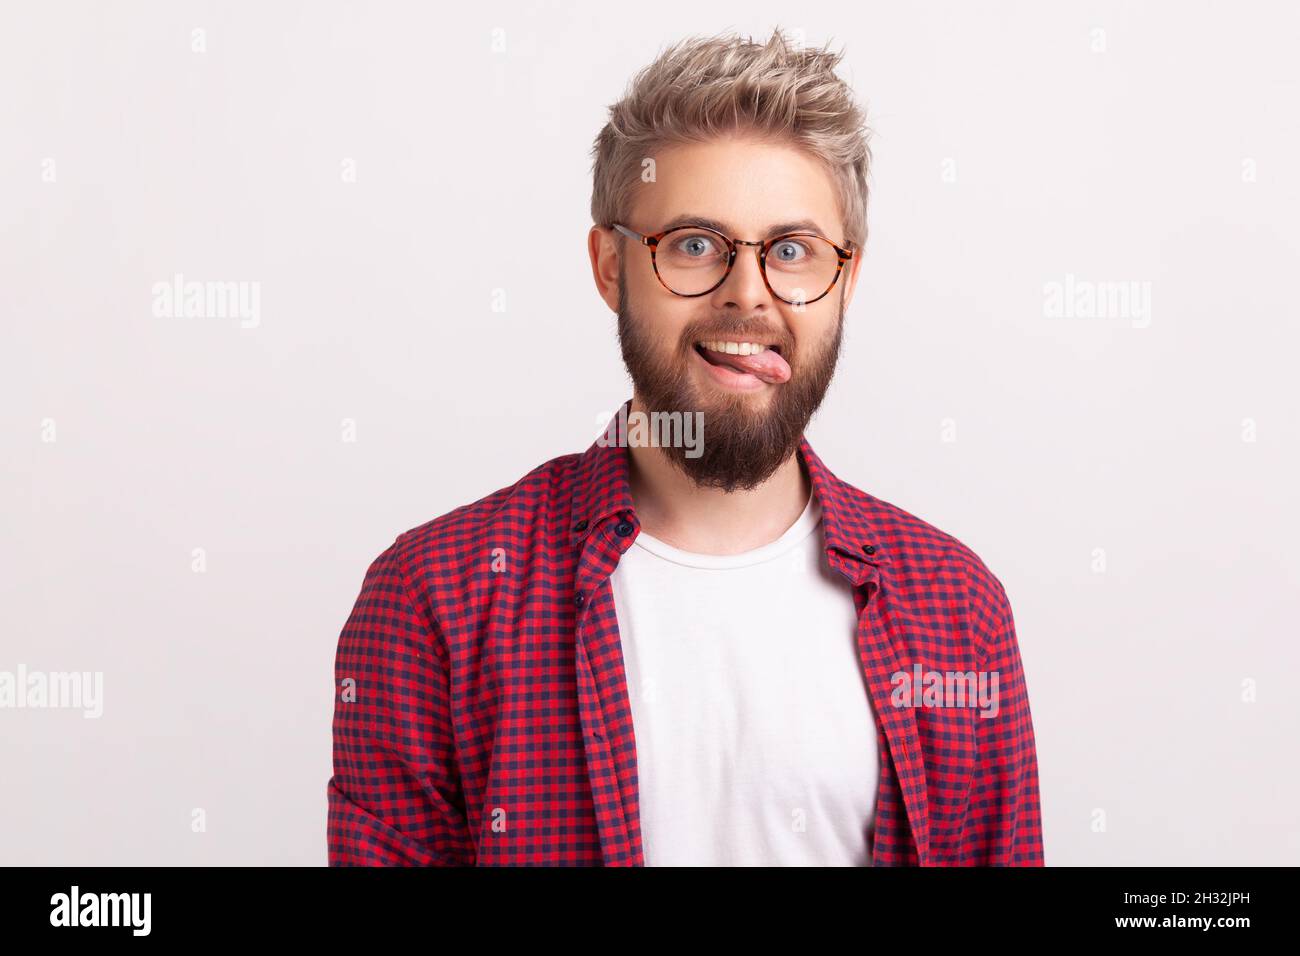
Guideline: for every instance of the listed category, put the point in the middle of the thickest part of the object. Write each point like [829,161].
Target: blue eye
[696,246]
[787,250]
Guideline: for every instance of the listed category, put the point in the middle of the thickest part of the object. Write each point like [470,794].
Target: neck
[672,508]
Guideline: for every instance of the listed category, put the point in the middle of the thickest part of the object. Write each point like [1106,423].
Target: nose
[744,287]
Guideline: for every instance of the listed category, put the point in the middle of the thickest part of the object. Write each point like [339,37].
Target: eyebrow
[777,229]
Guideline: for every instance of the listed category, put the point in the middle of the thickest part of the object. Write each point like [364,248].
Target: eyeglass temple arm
[631,234]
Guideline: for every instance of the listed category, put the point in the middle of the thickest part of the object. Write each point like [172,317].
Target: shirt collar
[601,491]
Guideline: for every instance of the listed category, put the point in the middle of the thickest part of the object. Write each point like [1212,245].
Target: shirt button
[623,529]
[581,525]
[578,599]
[869,548]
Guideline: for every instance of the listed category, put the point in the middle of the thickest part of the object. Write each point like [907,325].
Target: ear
[603,249]
[851,273]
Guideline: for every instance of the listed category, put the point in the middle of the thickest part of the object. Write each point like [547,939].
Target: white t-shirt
[755,737]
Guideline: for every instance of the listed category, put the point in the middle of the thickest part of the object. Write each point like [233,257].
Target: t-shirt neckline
[803,526]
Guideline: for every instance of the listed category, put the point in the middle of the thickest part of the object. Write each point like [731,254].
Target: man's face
[752,420]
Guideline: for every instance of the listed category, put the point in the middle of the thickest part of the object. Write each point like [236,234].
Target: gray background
[1161,150]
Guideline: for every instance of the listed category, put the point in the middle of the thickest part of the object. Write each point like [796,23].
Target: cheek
[813,330]
[645,282]
[664,319]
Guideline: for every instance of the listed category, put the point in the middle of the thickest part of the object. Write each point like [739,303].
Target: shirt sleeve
[1003,817]
[394,797]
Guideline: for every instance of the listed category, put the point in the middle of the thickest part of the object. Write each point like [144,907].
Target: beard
[745,438]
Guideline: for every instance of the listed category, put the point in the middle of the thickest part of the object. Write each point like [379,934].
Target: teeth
[735,348]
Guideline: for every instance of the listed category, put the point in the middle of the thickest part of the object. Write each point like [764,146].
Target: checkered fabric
[481,712]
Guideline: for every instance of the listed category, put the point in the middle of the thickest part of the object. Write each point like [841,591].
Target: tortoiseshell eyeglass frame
[763,247]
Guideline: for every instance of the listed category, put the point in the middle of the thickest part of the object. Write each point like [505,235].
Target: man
[713,652]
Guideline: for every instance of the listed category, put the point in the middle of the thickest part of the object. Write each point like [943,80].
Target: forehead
[748,184]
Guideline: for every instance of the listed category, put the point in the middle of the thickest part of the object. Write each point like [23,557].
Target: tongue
[767,365]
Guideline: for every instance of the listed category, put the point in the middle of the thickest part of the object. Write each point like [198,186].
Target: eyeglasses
[798,267]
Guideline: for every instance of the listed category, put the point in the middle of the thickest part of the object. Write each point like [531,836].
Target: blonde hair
[703,87]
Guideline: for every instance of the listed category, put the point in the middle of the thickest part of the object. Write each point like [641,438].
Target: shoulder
[932,566]
[443,552]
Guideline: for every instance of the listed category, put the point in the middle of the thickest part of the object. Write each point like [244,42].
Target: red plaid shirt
[481,711]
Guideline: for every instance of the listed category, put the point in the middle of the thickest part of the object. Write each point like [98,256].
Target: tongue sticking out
[767,365]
